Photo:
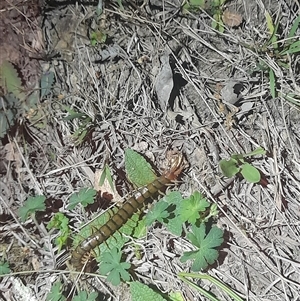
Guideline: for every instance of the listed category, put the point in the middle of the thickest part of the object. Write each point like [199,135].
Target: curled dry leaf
[232,19]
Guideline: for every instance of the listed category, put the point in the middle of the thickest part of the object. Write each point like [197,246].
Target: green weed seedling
[4,268]
[278,49]
[106,175]
[213,7]
[60,222]
[32,205]
[84,196]
[194,212]
[57,294]
[238,165]
[112,265]
[97,37]
[85,124]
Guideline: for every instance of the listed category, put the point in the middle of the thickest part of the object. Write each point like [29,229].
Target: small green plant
[213,7]
[55,293]
[238,165]
[32,205]
[84,296]
[4,268]
[111,264]
[106,175]
[206,240]
[173,208]
[61,222]
[98,37]
[278,49]
[85,124]
[85,196]
[192,211]
[10,81]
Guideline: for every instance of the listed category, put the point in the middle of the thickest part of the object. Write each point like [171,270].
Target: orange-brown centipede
[125,212]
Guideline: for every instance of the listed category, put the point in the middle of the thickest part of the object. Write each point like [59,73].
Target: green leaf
[55,293]
[158,213]
[111,264]
[106,174]
[84,197]
[206,254]
[189,208]
[293,48]
[98,37]
[174,226]
[229,168]
[258,151]
[7,119]
[139,171]
[212,212]
[250,173]
[74,115]
[83,296]
[173,199]
[272,79]
[272,29]
[4,268]
[142,292]
[176,296]
[32,205]
[217,23]
[238,158]
[61,222]
[294,28]
[47,81]
[10,80]
[205,277]
[58,221]
[140,230]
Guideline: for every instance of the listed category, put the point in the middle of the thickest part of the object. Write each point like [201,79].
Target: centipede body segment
[125,212]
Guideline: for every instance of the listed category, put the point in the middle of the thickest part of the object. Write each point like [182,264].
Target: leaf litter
[119,96]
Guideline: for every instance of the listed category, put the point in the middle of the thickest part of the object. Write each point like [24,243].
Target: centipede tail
[125,212]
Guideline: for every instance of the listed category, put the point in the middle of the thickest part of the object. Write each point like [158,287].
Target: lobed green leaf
[4,268]
[206,254]
[84,197]
[31,205]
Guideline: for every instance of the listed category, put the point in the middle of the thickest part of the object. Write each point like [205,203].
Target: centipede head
[175,164]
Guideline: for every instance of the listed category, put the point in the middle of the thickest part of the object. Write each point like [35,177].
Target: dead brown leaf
[232,19]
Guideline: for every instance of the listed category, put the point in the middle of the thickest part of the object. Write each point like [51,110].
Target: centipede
[133,203]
